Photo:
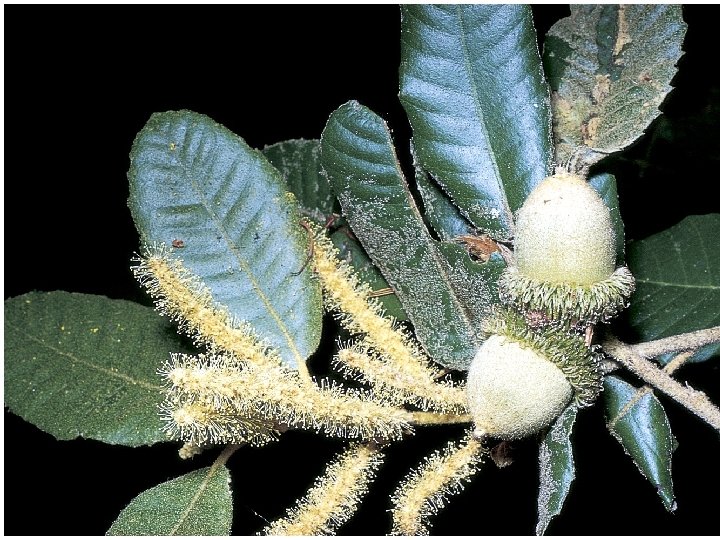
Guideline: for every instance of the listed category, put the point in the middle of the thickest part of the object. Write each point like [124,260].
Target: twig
[681,342]
[678,361]
[421,418]
[693,400]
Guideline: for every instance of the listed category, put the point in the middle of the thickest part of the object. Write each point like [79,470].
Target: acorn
[565,264]
[522,378]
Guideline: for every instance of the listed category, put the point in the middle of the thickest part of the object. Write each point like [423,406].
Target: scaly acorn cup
[521,379]
[565,256]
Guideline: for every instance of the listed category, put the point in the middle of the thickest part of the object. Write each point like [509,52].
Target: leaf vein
[86,363]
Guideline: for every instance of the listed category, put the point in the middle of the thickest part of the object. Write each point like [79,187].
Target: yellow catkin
[180,295]
[334,497]
[199,423]
[426,490]
[399,365]
[277,395]
[358,361]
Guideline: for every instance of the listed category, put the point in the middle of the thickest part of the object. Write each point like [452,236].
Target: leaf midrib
[105,371]
[432,244]
[245,266]
[678,285]
[481,120]
[193,502]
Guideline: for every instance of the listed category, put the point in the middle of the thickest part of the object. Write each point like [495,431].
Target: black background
[80,83]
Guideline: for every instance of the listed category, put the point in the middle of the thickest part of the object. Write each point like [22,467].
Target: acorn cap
[564,233]
[564,302]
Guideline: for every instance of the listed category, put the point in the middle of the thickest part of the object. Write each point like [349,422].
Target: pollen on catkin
[397,363]
[278,395]
[359,362]
[180,295]
[426,490]
[334,497]
[198,423]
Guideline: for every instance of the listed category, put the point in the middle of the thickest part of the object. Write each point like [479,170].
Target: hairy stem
[693,400]
[678,361]
[421,418]
[680,342]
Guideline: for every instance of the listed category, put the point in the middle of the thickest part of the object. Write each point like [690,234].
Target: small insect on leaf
[178,244]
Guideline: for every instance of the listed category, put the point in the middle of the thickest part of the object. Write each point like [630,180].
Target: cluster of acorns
[537,358]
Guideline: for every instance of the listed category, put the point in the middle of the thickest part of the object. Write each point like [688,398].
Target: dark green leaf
[444,293]
[638,421]
[472,84]
[610,67]
[606,187]
[299,162]
[79,365]
[195,504]
[678,281]
[557,469]
[352,252]
[193,180]
[444,217]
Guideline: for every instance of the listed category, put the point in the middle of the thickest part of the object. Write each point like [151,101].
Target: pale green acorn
[521,379]
[565,264]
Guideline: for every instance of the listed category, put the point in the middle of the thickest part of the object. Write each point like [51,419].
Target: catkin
[426,490]
[334,497]
[278,395]
[396,364]
[181,296]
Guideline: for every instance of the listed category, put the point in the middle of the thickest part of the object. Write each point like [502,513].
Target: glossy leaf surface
[193,180]
[298,161]
[606,186]
[638,421]
[678,281]
[472,83]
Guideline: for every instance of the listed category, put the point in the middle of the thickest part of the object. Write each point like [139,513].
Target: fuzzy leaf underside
[610,67]
[353,253]
[444,293]
[79,365]
[472,84]
[636,418]
[606,186]
[557,468]
[196,504]
[193,180]
[298,161]
[678,281]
